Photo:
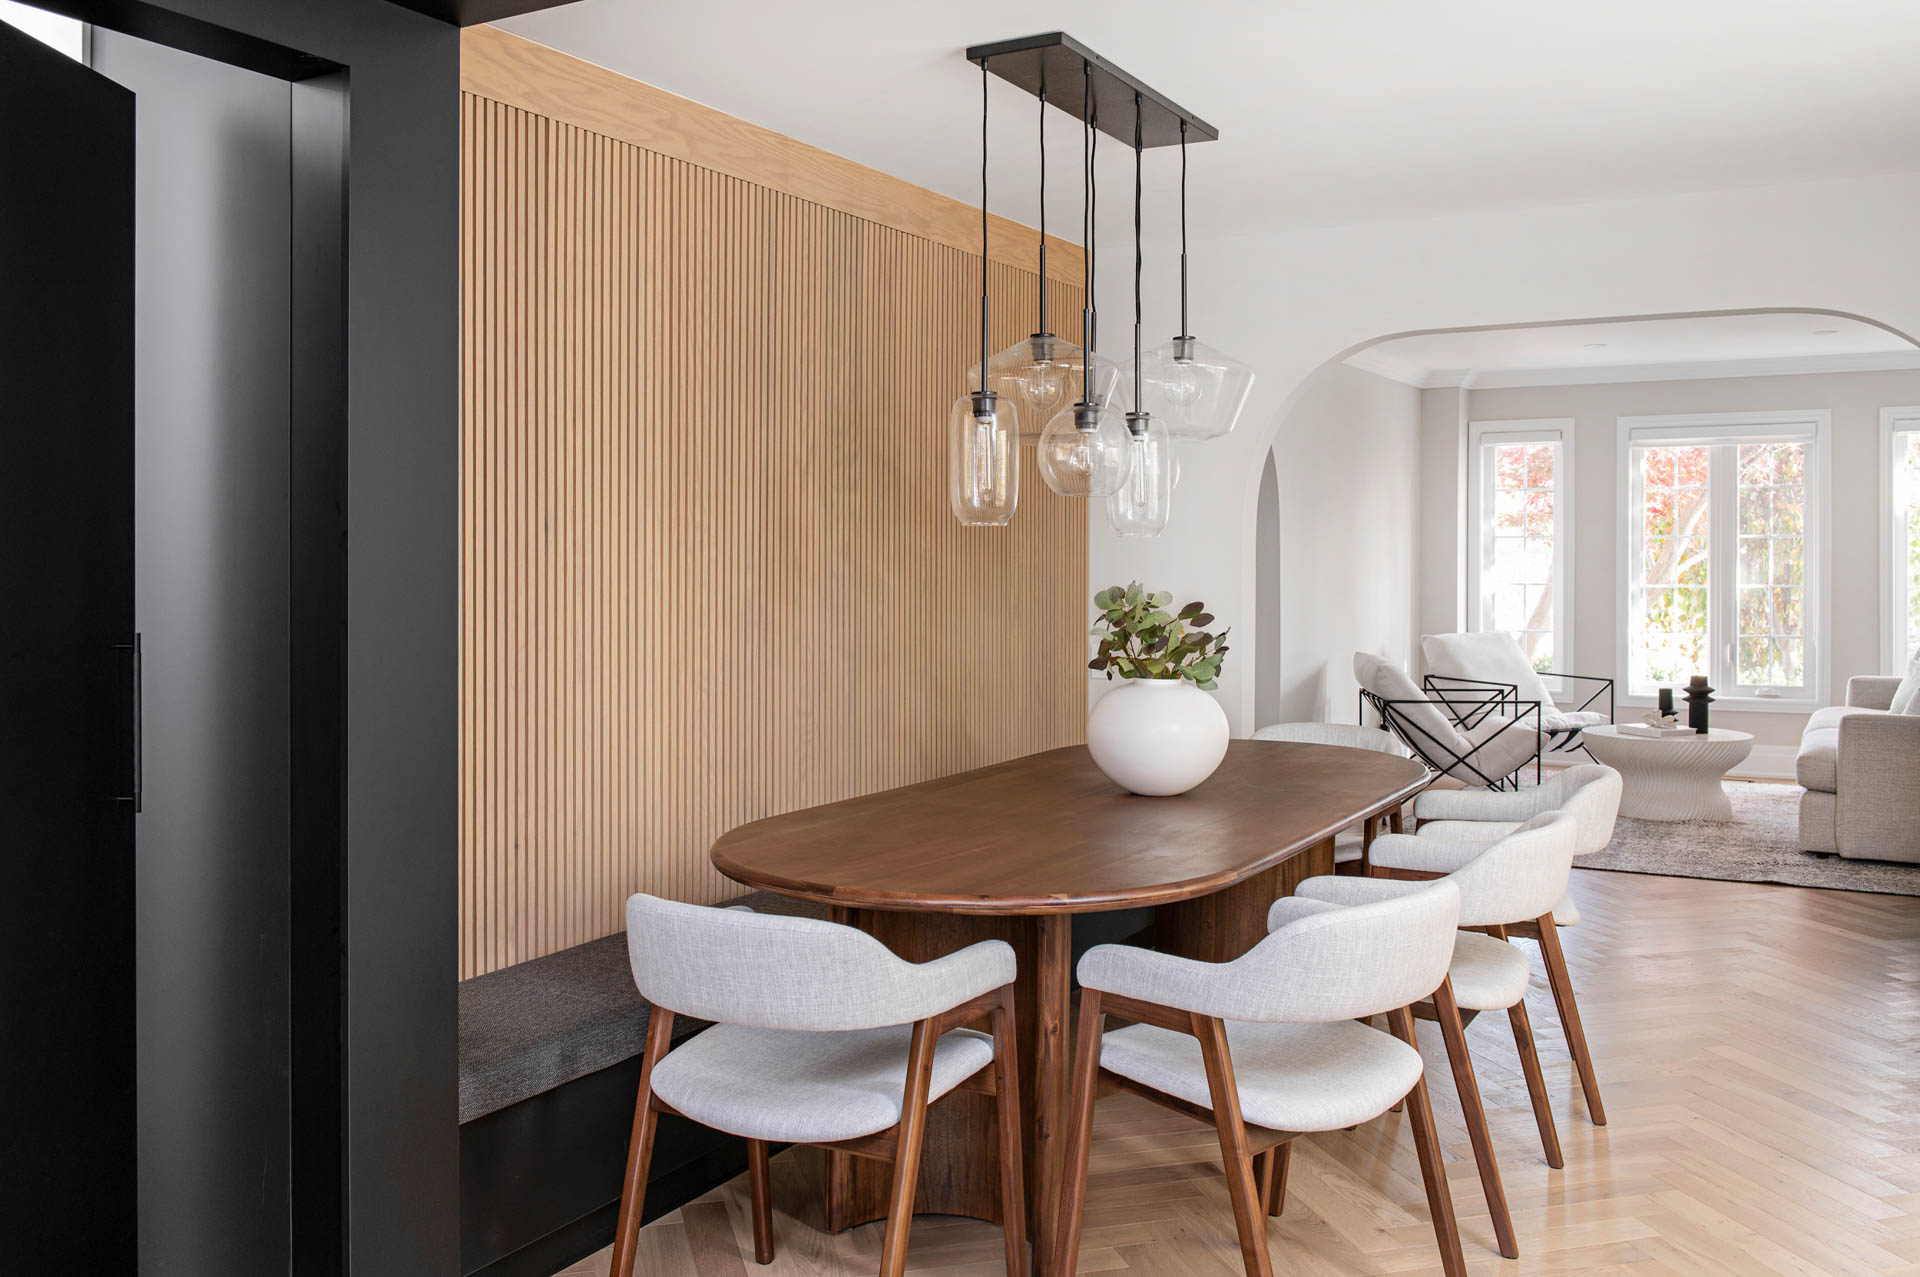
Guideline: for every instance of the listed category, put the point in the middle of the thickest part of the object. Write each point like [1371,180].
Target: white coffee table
[1671,777]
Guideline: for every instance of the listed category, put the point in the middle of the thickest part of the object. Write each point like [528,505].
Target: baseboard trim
[1767,762]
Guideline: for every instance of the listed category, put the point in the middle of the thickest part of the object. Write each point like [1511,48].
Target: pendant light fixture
[1139,508]
[983,450]
[1196,390]
[1041,371]
[1084,451]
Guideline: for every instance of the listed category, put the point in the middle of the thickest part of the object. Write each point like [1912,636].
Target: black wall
[370,519]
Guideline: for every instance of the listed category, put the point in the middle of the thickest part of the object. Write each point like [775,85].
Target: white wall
[1854,545]
[1290,302]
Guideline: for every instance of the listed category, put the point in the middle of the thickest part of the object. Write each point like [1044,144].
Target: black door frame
[374,653]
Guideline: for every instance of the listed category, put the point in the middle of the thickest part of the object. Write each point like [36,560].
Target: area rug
[1760,844]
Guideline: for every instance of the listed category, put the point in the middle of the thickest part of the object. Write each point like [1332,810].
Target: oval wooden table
[1012,852]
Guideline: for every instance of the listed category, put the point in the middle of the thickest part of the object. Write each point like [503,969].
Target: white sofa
[1859,764]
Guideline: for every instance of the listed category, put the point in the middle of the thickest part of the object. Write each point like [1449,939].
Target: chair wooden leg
[1467,1087]
[1426,1143]
[633,1189]
[1273,1177]
[1073,1180]
[1562,983]
[906,1163]
[1006,1085]
[1249,1210]
[1536,1083]
[760,1180]
[836,1191]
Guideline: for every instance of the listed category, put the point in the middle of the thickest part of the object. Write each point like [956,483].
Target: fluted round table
[1671,777]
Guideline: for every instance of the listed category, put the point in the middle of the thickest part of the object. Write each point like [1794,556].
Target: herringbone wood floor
[1758,1049]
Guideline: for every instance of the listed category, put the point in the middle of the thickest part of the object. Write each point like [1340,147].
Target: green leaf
[1134,594]
[1160,599]
[1209,686]
[1100,600]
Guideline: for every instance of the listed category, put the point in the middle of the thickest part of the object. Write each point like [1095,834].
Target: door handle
[134,772]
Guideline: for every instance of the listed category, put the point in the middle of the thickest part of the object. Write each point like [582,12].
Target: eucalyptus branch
[1139,638]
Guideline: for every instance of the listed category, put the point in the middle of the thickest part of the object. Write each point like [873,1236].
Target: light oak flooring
[1758,1050]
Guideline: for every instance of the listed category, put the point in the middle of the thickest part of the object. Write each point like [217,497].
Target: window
[1901,428]
[1722,553]
[1520,504]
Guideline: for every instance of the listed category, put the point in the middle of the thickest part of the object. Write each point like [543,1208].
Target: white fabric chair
[1517,878]
[1491,659]
[1349,847]
[1486,750]
[1590,793]
[822,1036]
[1267,1047]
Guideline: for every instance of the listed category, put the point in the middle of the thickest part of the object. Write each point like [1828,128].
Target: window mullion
[1723,573]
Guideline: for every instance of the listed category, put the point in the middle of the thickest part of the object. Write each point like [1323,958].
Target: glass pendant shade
[983,459]
[1042,375]
[1084,451]
[1140,506]
[1196,391]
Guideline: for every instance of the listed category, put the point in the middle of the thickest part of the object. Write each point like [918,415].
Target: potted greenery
[1159,732]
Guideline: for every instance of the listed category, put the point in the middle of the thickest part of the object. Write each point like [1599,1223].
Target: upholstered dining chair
[1268,1046]
[1517,878]
[821,1036]
[1591,793]
[1350,846]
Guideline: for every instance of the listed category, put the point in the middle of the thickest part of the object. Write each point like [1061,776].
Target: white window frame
[1482,438]
[1895,424]
[1716,429]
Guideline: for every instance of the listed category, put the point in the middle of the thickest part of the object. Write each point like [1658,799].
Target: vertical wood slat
[709,573]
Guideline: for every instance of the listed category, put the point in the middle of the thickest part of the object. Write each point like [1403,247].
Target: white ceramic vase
[1157,736]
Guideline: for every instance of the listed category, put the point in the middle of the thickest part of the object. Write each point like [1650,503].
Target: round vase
[1157,736]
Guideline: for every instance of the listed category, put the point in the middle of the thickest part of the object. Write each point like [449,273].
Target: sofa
[1859,764]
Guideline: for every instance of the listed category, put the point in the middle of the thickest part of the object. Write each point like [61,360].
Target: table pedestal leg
[958,1167]
[1222,926]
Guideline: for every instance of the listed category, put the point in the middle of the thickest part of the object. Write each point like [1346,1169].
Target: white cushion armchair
[1485,747]
[1491,663]
[821,1036]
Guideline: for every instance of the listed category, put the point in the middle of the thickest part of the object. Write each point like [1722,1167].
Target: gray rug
[1760,844]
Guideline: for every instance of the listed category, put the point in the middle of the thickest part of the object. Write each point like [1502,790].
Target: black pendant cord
[1086,229]
[1138,258]
[983,226]
[1184,330]
[1043,209]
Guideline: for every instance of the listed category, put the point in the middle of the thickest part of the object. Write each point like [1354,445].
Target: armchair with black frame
[1480,737]
[1490,672]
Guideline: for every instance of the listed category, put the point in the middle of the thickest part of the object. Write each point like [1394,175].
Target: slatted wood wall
[709,570]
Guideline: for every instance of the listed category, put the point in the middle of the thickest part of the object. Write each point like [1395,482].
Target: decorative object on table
[1652,729]
[1676,779]
[1699,696]
[983,431]
[1084,450]
[1159,733]
[1666,703]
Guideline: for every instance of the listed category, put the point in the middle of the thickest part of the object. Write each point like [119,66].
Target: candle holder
[1666,702]
[1699,696]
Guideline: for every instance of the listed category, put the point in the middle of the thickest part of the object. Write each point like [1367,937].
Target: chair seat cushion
[791,1086]
[1568,724]
[1488,974]
[1346,848]
[1291,1077]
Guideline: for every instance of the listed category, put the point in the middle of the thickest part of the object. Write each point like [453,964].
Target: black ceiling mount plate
[1058,61]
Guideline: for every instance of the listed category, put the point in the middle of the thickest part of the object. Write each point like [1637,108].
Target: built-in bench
[549,1064]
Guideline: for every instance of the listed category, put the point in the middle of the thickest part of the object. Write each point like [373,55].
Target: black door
[68,762]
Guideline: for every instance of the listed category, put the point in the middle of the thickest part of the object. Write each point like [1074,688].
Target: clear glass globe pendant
[1144,500]
[983,459]
[1193,388]
[1085,451]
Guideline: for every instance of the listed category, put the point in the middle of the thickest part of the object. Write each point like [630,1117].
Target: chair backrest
[1422,720]
[1590,793]
[1342,964]
[1493,656]
[734,966]
[1349,735]
[1522,876]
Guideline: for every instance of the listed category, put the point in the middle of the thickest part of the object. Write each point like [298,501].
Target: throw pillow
[1490,657]
[1906,698]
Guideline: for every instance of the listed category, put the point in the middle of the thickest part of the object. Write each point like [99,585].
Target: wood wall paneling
[709,573]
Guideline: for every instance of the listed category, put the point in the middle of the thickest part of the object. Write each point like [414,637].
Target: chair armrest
[1330,892]
[1872,691]
[979,968]
[1147,975]
[1423,855]
[1295,907]
[1877,805]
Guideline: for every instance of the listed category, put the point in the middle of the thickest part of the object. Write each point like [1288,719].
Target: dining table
[1014,852]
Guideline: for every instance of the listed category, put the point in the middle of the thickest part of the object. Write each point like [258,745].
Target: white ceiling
[1330,111]
[1640,350]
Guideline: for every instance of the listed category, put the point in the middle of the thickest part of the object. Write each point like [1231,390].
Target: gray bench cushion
[537,1025]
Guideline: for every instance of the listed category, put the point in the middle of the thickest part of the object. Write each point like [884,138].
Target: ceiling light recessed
[1825,332]
[1596,345]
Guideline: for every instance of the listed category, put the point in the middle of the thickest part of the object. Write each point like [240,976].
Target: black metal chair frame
[1509,693]
[1468,711]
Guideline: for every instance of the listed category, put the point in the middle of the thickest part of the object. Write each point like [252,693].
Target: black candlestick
[1666,702]
[1699,695]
